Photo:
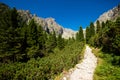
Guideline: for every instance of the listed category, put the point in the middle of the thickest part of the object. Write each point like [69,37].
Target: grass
[66,71]
[106,69]
[44,68]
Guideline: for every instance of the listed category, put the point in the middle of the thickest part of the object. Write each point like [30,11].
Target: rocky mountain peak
[25,15]
[111,14]
[48,24]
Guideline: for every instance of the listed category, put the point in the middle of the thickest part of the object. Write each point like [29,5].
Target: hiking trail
[85,69]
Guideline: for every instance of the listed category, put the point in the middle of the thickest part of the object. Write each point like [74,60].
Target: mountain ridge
[111,14]
[49,24]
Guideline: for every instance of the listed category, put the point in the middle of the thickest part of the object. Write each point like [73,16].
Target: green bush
[109,68]
[44,68]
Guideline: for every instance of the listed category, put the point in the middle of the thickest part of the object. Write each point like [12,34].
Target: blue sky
[68,13]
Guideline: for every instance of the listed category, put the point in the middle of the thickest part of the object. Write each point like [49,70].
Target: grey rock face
[25,15]
[68,33]
[48,24]
[110,14]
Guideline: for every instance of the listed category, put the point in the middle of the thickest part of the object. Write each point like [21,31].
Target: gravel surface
[85,69]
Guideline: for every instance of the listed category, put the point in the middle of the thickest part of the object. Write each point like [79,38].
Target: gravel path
[84,70]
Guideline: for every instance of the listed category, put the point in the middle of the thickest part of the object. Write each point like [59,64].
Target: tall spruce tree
[92,29]
[54,39]
[79,35]
[87,34]
[51,42]
[11,40]
[117,23]
[60,42]
[90,32]
[103,25]
[98,26]
[32,33]
[41,38]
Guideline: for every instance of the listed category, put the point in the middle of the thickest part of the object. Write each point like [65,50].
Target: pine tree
[92,29]
[41,38]
[87,34]
[32,33]
[14,18]
[60,42]
[90,32]
[11,40]
[51,42]
[103,25]
[81,34]
[77,36]
[117,23]
[98,26]
[54,40]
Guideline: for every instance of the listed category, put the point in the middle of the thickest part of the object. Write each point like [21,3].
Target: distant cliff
[48,24]
[111,14]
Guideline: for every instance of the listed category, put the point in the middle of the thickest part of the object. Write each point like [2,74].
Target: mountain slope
[68,33]
[111,14]
[48,24]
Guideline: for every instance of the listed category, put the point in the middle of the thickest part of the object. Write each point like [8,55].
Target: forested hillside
[105,38]
[27,52]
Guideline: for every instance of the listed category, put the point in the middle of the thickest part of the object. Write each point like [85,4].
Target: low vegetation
[44,68]
[106,40]
[108,66]
[27,52]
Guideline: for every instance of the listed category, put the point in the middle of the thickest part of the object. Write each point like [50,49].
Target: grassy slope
[65,71]
[44,68]
[106,69]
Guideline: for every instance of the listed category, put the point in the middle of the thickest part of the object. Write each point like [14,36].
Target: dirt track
[84,70]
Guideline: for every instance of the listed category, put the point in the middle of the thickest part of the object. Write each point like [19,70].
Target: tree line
[105,35]
[29,52]
[20,41]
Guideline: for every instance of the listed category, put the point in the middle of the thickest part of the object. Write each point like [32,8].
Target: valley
[36,48]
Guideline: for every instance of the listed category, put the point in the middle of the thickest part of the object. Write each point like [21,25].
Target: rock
[68,33]
[25,15]
[64,78]
[111,14]
[48,24]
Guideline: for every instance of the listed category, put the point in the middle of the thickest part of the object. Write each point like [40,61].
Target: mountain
[48,24]
[68,33]
[111,14]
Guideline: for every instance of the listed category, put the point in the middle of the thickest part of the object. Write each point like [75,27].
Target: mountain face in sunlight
[111,14]
[48,24]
